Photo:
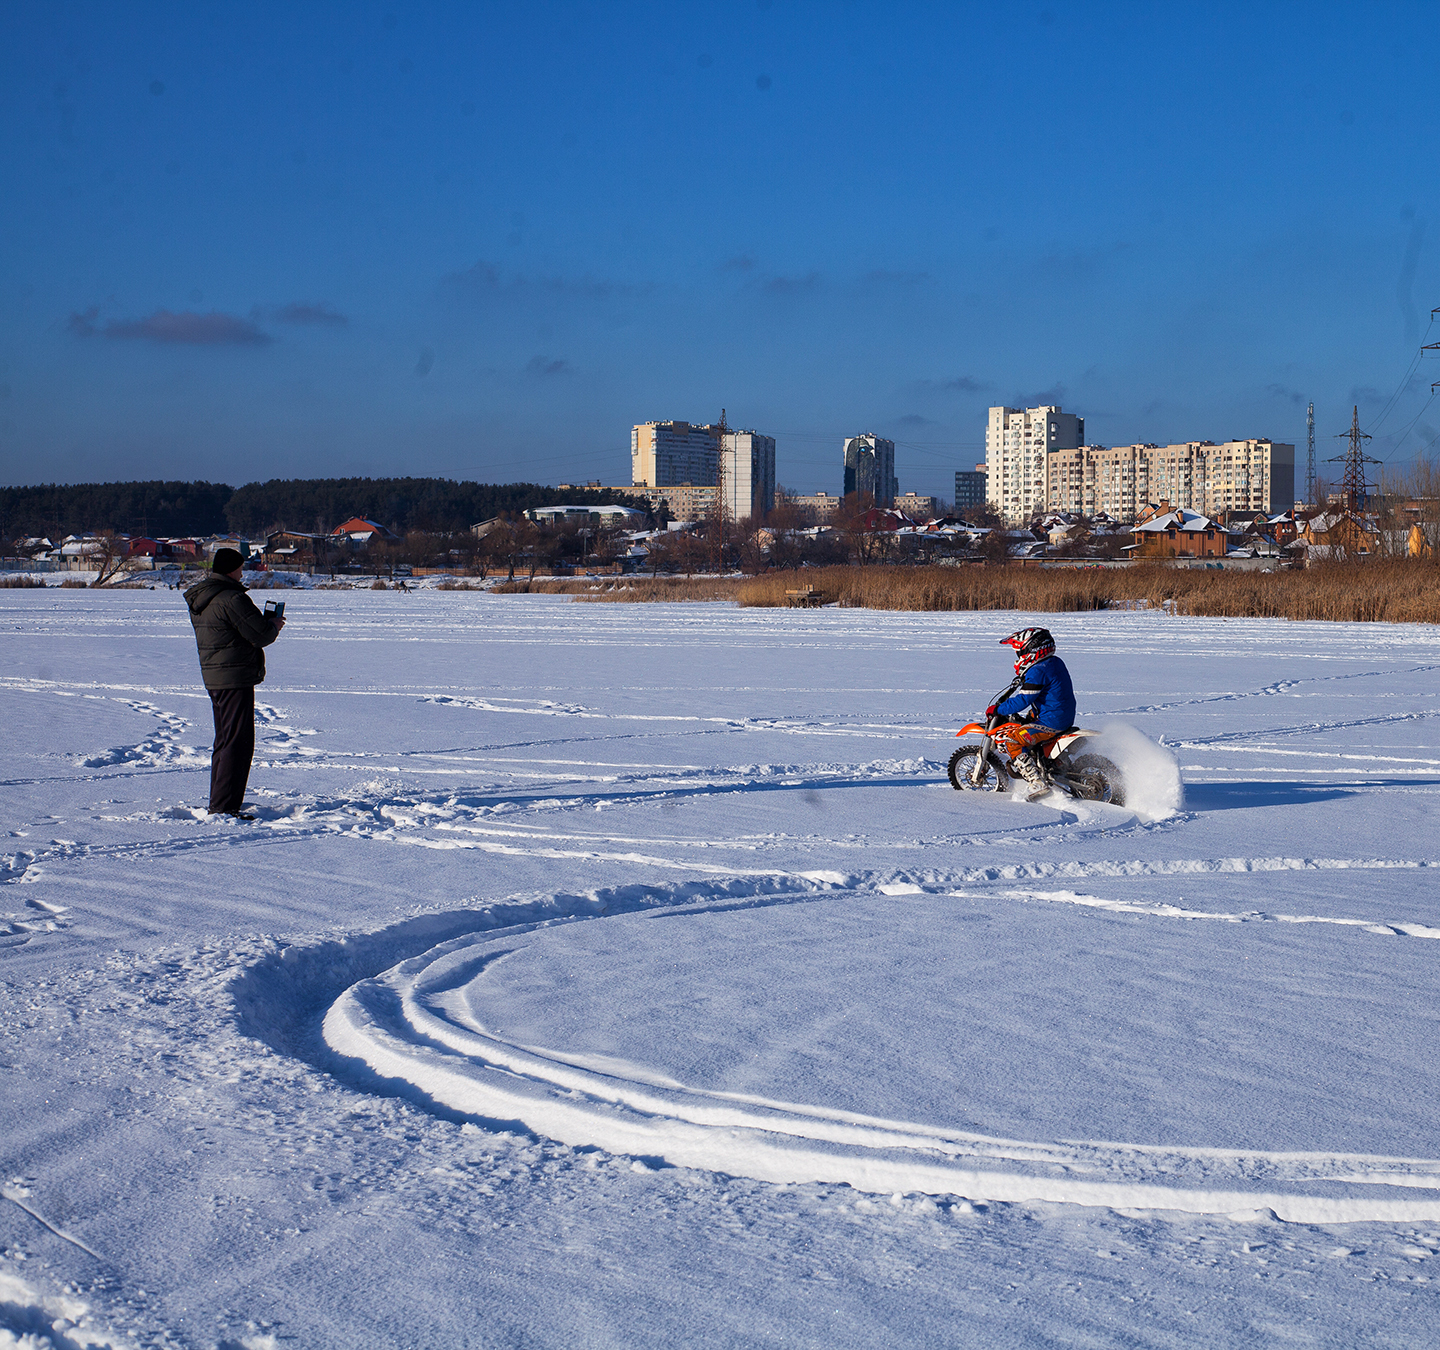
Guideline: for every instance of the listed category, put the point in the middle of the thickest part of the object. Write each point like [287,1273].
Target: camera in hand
[274,609]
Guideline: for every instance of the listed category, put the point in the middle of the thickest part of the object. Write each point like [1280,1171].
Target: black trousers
[234,747]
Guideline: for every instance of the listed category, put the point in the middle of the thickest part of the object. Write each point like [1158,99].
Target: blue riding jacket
[1045,696]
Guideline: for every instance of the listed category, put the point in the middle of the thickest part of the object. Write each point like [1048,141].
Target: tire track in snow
[398,1024]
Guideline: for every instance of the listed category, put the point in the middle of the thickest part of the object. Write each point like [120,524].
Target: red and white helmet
[1031,645]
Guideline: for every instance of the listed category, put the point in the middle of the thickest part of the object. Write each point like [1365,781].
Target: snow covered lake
[630,975]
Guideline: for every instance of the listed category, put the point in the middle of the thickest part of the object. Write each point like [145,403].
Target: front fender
[974,726]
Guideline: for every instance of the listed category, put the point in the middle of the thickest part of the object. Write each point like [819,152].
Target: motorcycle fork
[977,776]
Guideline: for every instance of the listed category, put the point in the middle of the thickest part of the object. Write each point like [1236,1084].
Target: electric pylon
[1354,488]
[721,432]
[1310,457]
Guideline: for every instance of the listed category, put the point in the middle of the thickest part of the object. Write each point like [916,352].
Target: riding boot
[1029,768]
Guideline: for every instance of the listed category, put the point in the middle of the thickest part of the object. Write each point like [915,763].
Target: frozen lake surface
[630,975]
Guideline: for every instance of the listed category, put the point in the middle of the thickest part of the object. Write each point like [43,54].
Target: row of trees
[312,506]
[170,509]
[402,505]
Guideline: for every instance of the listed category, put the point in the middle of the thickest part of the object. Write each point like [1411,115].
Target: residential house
[289,548]
[1163,533]
[1339,534]
[359,530]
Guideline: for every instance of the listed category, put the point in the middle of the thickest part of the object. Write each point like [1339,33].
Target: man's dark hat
[226,561]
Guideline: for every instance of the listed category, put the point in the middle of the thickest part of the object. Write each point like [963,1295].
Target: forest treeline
[310,505]
[156,508]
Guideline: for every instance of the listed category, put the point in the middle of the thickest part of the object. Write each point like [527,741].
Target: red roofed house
[360,531]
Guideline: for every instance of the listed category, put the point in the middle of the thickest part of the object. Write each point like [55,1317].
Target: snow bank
[1151,774]
[30,1320]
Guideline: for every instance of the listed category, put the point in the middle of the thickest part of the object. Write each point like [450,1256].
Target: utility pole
[1310,457]
[1432,347]
[721,432]
[1354,459]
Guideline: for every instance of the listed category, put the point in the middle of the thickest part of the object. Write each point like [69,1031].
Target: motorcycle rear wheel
[962,768]
[1096,779]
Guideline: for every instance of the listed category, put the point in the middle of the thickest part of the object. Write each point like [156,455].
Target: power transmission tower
[1310,457]
[1432,347]
[721,432]
[1354,459]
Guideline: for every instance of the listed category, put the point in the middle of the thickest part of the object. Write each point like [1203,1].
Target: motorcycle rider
[1041,697]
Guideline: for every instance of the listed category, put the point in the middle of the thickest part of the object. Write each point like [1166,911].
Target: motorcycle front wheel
[962,771]
[1096,779]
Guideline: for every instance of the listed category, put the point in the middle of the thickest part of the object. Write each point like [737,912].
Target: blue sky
[482,240]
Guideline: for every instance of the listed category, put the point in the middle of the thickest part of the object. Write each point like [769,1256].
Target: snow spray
[1151,774]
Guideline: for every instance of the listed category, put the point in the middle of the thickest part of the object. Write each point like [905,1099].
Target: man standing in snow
[232,636]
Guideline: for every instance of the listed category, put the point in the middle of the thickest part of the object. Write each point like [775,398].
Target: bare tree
[752,547]
[111,556]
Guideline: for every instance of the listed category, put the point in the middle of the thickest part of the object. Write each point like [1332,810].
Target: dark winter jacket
[1045,696]
[230,632]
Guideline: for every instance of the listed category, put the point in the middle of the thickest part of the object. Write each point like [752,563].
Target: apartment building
[870,467]
[684,501]
[1088,479]
[1248,475]
[663,454]
[820,507]
[749,462]
[917,505]
[969,487]
[1018,442]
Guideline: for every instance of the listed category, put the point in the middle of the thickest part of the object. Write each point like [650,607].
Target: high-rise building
[1249,475]
[969,487]
[1018,442]
[870,467]
[749,462]
[666,454]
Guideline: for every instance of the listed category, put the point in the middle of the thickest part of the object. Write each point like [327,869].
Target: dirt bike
[1066,762]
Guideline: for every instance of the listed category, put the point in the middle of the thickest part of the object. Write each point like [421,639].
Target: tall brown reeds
[627,589]
[1390,590]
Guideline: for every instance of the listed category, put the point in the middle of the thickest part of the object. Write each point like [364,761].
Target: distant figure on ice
[1040,696]
[231,635]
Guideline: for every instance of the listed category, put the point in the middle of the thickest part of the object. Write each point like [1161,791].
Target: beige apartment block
[1249,475]
[666,454]
[1018,442]
[916,505]
[685,501]
[1203,476]
[819,507]
[1090,479]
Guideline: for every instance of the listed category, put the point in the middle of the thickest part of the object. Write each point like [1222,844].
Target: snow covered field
[616,975]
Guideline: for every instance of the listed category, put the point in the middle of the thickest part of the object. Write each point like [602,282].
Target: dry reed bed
[629,589]
[1393,591]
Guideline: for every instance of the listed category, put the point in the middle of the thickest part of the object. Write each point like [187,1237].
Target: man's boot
[1032,773]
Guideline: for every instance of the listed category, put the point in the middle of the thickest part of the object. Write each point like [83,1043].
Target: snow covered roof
[1183,519]
[560,512]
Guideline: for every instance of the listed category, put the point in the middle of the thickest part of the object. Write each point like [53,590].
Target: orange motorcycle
[1066,762]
